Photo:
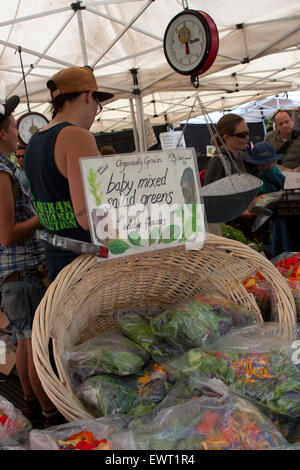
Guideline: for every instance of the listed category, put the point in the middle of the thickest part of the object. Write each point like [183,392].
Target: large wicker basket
[79,303]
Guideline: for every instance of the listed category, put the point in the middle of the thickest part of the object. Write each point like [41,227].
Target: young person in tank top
[52,160]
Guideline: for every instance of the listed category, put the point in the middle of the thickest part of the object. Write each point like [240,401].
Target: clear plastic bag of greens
[258,369]
[131,395]
[110,352]
[266,337]
[135,324]
[201,320]
[227,422]
[82,434]
[13,423]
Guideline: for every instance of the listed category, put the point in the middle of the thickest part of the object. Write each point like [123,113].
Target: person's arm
[10,231]
[75,143]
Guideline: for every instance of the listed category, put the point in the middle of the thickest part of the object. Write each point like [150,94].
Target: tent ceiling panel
[115,36]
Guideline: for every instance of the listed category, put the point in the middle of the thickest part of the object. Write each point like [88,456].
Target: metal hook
[185,4]
[195,80]
[27,98]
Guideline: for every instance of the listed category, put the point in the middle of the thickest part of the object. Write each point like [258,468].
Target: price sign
[142,202]
[169,140]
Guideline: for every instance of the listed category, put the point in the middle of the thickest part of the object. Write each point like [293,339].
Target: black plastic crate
[290,203]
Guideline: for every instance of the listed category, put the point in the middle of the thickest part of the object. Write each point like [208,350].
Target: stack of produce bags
[201,415]
[259,364]
[158,371]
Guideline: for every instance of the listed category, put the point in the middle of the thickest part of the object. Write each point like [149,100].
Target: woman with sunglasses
[234,133]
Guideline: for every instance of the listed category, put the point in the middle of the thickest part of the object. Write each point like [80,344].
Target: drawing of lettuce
[94,187]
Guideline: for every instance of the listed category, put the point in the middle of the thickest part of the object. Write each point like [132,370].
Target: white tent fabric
[258,54]
[256,111]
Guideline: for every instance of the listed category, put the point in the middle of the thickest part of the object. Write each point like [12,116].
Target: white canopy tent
[122,40]
[258,110]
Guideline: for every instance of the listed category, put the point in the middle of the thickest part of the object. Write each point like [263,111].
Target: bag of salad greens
[226,422]
[131,395]
[256,368]
[110,352]
[137,327]
[201,320]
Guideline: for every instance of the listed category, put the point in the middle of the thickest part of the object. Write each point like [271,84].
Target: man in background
[20,173]
[285,139]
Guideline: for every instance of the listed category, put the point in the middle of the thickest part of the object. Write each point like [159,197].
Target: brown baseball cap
[73,80]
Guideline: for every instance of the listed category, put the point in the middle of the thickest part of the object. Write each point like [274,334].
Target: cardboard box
[3,320]
[7,353]
[10,362]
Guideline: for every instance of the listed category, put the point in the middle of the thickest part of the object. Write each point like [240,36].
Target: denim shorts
[20,300]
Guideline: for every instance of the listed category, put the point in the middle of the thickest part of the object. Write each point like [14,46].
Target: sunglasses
[99,107]
[241,135]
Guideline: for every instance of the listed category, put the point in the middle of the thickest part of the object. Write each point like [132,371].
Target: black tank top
[51,196]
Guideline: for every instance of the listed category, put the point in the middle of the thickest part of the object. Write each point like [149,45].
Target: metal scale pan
[229,197]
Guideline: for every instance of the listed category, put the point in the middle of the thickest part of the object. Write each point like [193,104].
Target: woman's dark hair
[5,124]
[226,125]
[58,102]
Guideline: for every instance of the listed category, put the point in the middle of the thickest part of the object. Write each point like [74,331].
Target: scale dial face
[28,124]
[191,42]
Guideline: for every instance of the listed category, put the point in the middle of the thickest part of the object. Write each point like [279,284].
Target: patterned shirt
[30,252]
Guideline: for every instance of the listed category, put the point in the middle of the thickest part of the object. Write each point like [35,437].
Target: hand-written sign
[169,140]
[140,202]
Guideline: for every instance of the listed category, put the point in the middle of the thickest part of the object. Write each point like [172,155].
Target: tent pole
[135,131]
[128,26]
[82,38]
[45,50]
[141,126]
[139,110]
[36,54]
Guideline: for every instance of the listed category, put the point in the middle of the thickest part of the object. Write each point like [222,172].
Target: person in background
[234,132]
[20,173]
[52,160]
[107,150]
[285,140]
[262,164]
[21,270]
